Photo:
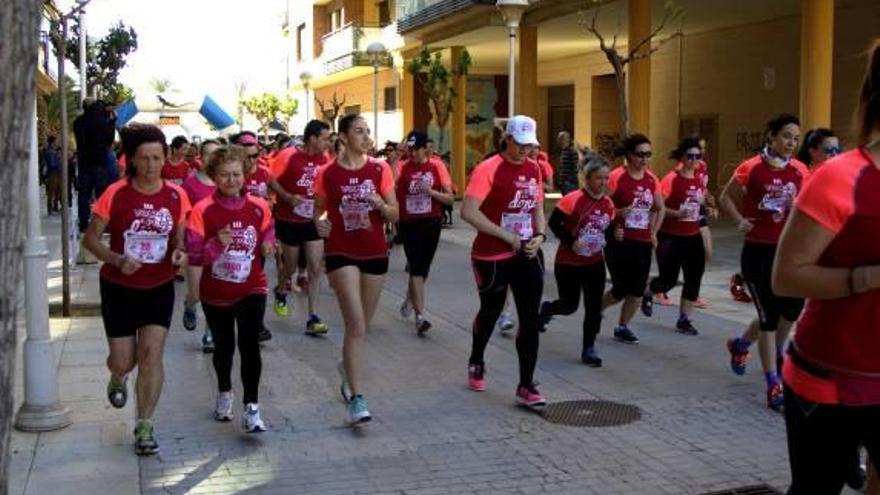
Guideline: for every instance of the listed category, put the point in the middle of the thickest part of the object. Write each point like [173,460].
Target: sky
[201,46]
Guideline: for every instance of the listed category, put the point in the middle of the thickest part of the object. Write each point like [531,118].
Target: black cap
[417,139]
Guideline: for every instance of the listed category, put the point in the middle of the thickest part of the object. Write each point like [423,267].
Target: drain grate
[594,413]
[748,490]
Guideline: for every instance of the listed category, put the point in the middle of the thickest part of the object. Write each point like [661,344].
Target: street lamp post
[306,78]
[376,51]
[512,11]
[83,60]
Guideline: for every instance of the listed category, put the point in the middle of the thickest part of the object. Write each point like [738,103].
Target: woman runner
[145,217]
[680,246]
[226,234]
[423,187]
[176,168]
[580,221]
[818,145]
[354,197]
[639,209]
[829,252]
[758,198]
[504,201]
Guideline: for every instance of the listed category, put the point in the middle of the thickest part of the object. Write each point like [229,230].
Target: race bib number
[638,218]
[690,212]
[305,208]
[355,216]
[518,223]
[146,247]
[418,205]
[776,204]
[234,268]
[590,243]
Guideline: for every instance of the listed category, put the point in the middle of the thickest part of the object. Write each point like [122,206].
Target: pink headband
[247,140]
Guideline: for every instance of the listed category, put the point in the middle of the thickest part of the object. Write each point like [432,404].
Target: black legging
[571,281]
[679,253]
[248,314]
[420,239]
[525,278]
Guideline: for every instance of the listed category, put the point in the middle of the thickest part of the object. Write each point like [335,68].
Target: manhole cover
[596,413]
[748,490]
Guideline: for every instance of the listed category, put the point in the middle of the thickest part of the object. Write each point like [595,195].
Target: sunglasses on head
[832,150]
[643,154]
[694,156]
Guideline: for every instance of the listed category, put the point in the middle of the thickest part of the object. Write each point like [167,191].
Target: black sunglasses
[832,150]
[643,154]
[254,156]
[694,156]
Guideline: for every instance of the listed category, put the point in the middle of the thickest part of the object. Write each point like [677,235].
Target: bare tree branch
[645,54]
[667,15]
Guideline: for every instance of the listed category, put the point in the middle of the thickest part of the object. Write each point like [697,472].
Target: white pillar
[83,61]
[511,71]
[41,409]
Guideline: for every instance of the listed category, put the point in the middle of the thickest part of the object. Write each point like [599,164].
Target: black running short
[757,268]
[630,264]
[375,266]
[125,309]
[295,233]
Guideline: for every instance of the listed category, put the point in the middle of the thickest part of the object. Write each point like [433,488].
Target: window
[386,7]
[300,36]
[337,20]
[391,99]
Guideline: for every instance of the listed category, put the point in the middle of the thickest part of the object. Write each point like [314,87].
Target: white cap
[522,129]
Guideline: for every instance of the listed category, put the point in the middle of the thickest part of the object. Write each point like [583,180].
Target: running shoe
[264,335]
[477,377]
[663,300]
[281,308]
[117,391]
[357,410]
[405,309]
[302,281]
[315,326]
[701,303]
[738,357]
[223,410]
[529,396]
[144,441]
[591,358]
[344,387]
[738,290]
[775,398]
[543,317]
[207,342]
[625,335]
[422,325]
[684,326]
[190,317]
[250,420]
[505,323]
[648,304]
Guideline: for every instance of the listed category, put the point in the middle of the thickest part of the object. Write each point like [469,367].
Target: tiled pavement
[702,428]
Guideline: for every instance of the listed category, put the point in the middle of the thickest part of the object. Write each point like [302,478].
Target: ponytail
[868,113]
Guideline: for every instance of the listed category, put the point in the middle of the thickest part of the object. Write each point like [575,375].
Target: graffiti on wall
[749,141]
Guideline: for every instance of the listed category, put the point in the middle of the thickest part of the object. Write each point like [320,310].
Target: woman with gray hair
[580,220]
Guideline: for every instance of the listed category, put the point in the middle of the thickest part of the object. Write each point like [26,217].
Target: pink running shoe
[476,377]
[529,397]
[663,300]
[701,303]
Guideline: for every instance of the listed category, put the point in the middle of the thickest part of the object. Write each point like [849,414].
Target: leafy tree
[439,83]
[160,85]
[267,107]
[635,50]
[106,59]
[53,107]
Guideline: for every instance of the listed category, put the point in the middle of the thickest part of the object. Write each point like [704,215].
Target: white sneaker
[344,387]
[223,411]
[405,309]
[251,420]
[505,322]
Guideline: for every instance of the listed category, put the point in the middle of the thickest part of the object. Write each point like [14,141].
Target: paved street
[702,428]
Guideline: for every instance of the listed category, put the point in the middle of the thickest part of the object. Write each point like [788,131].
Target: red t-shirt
[297,176]
[176,173]
[412,189]
[841,335]
[358,229]
[510,195]
[196,164]
[197,190]
[701,171]
[587,219]
[638,194]
[546,167]
[769,193]
[235,271]
[257,182]
[142,227]
[686,195]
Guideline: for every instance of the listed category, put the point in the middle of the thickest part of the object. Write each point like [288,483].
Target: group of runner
[215,217]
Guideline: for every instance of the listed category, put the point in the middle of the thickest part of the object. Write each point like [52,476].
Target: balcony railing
[412,14]
[347,47]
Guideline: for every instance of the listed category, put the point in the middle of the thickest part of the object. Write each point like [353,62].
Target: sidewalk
[701,429]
